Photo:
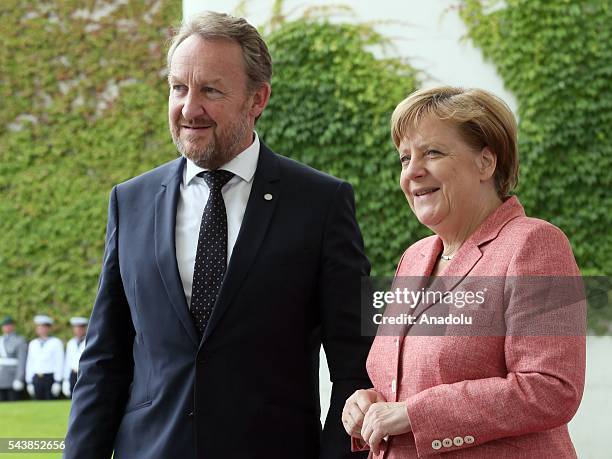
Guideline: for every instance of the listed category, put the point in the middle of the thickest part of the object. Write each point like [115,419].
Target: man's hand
[382,420]
[355,409]
[30,389]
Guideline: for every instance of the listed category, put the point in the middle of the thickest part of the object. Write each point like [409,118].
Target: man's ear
[259,99]
[486,162]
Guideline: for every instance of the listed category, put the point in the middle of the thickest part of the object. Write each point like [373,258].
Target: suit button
[201,359]
[468,439]
[190,413]
[436,444]
[447,443]
[458,441]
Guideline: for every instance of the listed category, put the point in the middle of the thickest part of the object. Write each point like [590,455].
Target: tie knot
[216,179]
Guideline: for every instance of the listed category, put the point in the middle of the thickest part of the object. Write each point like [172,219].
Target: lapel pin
[268,197]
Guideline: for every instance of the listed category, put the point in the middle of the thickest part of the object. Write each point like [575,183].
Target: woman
[508,395]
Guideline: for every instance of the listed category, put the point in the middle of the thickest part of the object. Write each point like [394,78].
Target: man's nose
[193,106]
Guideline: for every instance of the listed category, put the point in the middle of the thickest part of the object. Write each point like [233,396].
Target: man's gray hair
[210,25]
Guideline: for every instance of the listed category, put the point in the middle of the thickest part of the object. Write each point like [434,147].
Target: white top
[194,193]
[45,356]
[73,355]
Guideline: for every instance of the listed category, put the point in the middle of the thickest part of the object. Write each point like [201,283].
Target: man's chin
[199,156]
[205,161]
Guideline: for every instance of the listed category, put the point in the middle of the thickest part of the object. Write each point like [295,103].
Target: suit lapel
[257,217]
[165,246]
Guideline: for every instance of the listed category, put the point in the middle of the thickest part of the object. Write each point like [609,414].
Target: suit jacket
[148,387]
[474,394]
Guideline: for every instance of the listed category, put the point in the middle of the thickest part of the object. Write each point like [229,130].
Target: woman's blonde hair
[481,118]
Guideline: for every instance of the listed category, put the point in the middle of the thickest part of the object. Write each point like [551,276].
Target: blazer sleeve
[545,378]
[343,266]
[106,366]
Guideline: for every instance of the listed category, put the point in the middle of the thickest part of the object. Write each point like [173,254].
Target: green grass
[33,420]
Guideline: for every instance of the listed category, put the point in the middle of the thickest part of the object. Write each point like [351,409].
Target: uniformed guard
[13,352]
[74,349]
[45,362]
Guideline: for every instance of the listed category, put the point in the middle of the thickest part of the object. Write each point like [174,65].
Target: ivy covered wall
[83,107]
[555,56]
[331,104]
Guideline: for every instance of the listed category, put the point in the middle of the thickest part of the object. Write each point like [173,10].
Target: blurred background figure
[45,362]
[74,349]
[13,353]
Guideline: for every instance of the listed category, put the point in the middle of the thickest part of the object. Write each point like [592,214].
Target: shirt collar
[243,165]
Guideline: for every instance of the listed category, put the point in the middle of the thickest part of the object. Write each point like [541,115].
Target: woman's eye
[433,153]
[405,159]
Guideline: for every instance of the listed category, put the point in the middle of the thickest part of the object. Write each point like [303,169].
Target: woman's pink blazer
[488,396]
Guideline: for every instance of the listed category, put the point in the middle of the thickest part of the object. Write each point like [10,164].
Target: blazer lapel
[264,196]
[165,247]
[415,275]
[465,260]
[469,254]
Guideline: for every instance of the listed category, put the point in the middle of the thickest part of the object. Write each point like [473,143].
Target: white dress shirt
[73,355]
[45,356]
[194,194]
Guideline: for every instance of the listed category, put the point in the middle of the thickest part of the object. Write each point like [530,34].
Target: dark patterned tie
[211,256]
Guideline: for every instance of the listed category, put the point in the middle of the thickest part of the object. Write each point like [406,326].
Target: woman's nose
[415,168]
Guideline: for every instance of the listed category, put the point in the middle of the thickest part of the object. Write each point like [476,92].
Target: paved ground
[591,428]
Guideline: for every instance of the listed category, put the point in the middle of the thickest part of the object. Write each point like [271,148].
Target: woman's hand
[382,420]
[355,409]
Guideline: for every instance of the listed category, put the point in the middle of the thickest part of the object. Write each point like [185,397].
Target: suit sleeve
[58,365]
[22,355]
[68,360]
[29,373]
[545,371]
[343,266]
[106,366]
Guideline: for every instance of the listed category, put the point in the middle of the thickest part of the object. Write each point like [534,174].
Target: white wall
[591,428]
[430,36]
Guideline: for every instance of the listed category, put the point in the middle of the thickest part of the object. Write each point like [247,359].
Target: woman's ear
[486,162]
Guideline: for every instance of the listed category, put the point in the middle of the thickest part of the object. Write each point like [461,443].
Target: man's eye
[433,153]
[405,159]
[210,90]
[178,87]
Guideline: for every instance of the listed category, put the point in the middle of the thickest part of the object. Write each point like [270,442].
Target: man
[74,349]
[224,270]
[45,361]
[13,352]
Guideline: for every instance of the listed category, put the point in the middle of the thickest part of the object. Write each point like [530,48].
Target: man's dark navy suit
[149,388]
